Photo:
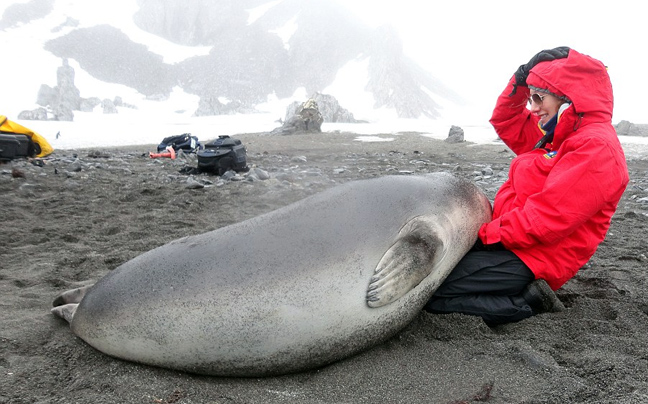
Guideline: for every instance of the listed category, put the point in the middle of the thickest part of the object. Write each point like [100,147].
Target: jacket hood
[583,79]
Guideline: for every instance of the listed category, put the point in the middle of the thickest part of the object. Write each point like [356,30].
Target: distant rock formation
[108,106]
[89,104]
[250,60]
[23,13]
[309,115]
[119,102]
[626,128]
[208,106]
[328,107]
[58,103]
[64,97]
[307,118]
[108,54]
[38,114]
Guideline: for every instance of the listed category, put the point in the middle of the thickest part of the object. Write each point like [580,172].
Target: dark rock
[16,173]
[626,128]
[623,128]
[193,184]
[307,118]
[98,154]
[75,166]
[310,117]
[455,135]
[229,175]
[329,108]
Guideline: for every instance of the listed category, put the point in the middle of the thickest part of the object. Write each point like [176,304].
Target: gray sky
[474,46]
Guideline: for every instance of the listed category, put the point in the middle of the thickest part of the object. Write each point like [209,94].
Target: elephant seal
[294,289]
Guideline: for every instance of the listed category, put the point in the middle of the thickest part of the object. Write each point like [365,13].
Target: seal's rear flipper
[407,262]
[66,311]
[71,296]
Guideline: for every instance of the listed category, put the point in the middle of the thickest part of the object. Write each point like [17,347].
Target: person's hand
[546,55]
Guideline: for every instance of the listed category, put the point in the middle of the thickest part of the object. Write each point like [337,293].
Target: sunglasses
[537,99]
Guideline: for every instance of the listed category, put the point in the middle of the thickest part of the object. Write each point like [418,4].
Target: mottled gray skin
[294,289]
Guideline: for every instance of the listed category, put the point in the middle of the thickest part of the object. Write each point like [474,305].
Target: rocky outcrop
[89,104]
[23,13]
[307,118]
[119,102]
[251,59]
[309,115]
[328,107]
[108,106]
[62,112]
[455,135]
[626,128]
[38,114]
[109,55]
[60,102]
[209,106]
[64,97]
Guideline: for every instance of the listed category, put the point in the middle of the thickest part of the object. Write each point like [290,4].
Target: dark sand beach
[84,212]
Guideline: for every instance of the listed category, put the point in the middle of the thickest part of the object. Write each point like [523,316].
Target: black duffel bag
[222,154]
[184,142]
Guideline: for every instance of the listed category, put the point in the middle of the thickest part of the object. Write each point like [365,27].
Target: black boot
[541,298]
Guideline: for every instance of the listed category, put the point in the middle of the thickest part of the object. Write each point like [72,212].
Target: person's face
[544,105]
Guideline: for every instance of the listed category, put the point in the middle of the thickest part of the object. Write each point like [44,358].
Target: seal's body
[293,289]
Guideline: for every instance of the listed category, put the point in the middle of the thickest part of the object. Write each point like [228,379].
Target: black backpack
[222,154]
[184,142]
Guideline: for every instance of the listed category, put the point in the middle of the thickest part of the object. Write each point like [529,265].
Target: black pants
[486,284]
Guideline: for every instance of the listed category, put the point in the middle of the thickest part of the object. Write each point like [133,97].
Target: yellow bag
[43,148]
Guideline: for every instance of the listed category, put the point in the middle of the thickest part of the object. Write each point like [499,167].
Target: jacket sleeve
[513,122]
[581,183]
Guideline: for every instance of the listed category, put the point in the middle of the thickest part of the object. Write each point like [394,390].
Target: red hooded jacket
[556,206]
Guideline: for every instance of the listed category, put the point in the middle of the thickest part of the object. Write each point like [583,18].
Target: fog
[473,47]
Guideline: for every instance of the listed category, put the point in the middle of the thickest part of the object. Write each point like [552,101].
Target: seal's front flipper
[71,296]
[407,262]
[66,311]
